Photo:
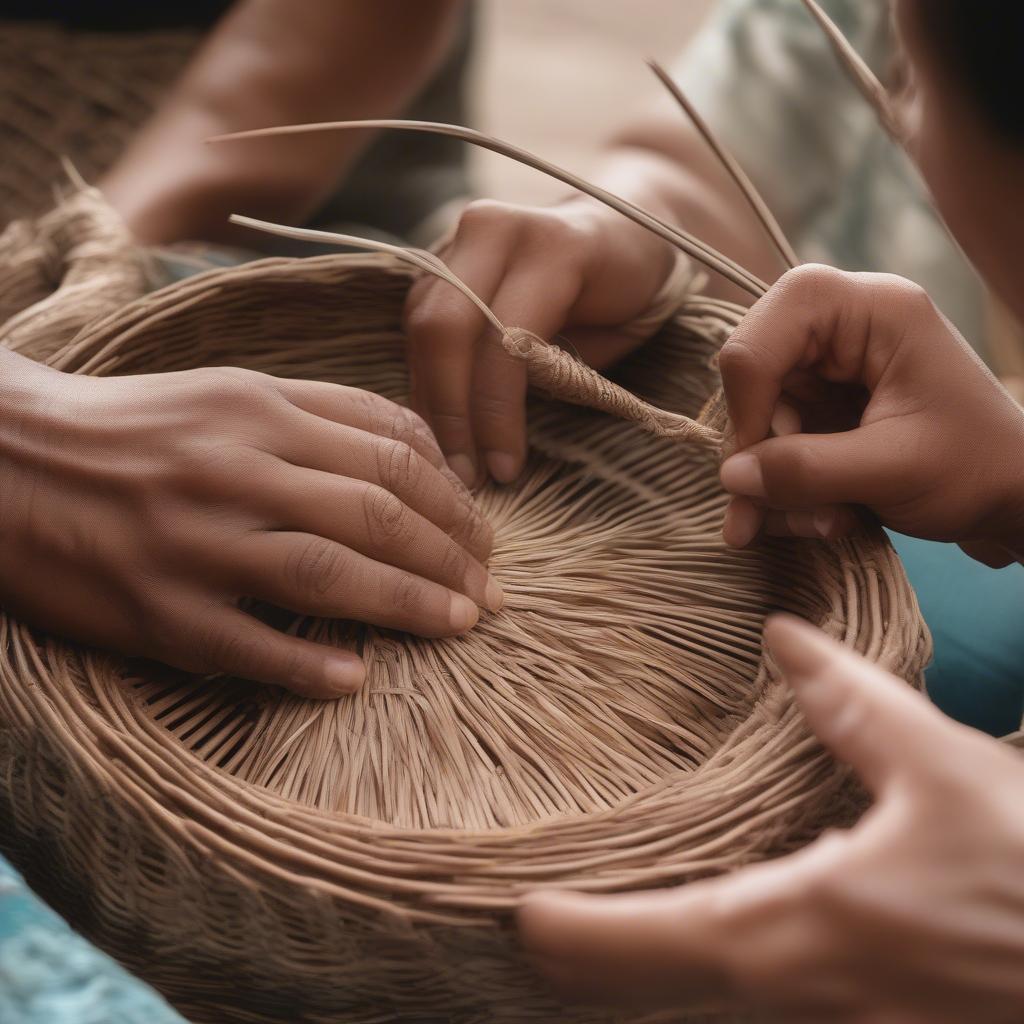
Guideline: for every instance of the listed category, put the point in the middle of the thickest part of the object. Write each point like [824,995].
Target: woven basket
[67,94]
[259,857]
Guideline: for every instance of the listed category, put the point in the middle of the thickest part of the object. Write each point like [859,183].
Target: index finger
[793,326]
[364,410]
[443,328]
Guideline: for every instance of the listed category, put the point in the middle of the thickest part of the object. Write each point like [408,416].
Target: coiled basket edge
[221,870]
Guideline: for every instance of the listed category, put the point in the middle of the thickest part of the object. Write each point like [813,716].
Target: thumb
[644,948]
[857,467]
[704,944]
[867,717]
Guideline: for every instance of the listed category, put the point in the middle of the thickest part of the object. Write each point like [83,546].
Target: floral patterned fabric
[763,75]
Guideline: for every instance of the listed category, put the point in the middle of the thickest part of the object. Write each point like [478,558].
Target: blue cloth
[976,615]
[50,975]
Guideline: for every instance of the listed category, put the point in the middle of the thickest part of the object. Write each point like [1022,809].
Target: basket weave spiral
[260,857]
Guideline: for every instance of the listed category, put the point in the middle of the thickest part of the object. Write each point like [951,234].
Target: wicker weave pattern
[615,726]
[75,95]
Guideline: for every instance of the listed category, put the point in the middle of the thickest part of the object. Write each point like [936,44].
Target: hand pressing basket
[260,857]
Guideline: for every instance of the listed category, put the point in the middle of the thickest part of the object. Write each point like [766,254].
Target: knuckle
[486,215]
[408,594]
[399,466]
[221,380]
[388,519]
[481,535]
[808,293]
[824,892]
[226,650]
[811,281]
[408,428]
[471,528]
[547,229]
[232,389]
[912,295]
[410,424]
[215,471]
[423,319]
[454,563]
[455,427]
[737,359]
[160,627]
[316,566]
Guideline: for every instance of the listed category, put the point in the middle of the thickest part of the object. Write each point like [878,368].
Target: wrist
[617,243]
[1005,521]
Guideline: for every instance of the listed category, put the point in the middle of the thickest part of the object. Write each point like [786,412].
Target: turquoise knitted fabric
[50,975]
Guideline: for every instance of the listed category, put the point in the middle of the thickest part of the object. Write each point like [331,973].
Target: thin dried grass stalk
[550,370]
[863,77]
[729,163]
[683,240]
[616,726]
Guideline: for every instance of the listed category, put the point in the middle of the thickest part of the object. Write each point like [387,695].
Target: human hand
[137,511]
[914,916]
[576,267]
[874,400]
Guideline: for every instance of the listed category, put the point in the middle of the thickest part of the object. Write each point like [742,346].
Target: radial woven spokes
[627,648]
[616,726]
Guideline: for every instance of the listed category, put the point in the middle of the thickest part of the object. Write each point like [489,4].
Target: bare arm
[274,62]
[660,162]
[576,268]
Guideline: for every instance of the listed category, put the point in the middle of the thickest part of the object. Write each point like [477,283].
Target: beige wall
[557,76]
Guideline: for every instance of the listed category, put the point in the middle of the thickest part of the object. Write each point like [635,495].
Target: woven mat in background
[74,94]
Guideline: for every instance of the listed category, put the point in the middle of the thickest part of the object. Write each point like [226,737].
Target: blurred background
[580,62]
[556,77]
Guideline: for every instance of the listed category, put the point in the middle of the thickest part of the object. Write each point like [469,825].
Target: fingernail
[345,675]
[462,466]
[742,523]
[741,474]
[502,466]
[785,421]
[494,596]
[824,522]
[462,613]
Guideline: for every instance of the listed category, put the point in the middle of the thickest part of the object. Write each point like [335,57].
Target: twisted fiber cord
[550,370]
[693,624]
[616,726]
[66,269]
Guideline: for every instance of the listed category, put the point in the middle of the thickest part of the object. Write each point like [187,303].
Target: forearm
[274,62]
[663,165]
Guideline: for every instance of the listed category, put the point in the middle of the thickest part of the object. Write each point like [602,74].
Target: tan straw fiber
[264,858]
[259,857]
[68,94]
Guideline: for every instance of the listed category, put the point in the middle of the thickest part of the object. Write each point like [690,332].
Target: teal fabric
[50,975]
[976,615]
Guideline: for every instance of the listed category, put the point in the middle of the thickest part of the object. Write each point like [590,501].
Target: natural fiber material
[64,270]
[259,857]
[74,95]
